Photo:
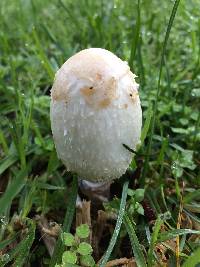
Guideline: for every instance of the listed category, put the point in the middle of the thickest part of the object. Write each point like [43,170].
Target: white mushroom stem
[95,190]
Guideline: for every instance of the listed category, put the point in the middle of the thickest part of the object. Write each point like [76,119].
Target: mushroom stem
[95,190]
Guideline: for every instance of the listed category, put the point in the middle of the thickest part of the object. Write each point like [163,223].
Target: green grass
[161,42]
[117,226]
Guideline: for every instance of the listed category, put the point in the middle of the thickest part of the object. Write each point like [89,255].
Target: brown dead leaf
[48,232]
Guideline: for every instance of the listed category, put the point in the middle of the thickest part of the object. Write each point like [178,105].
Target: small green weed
[77,252]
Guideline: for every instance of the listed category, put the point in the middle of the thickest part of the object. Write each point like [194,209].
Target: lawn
[152,217]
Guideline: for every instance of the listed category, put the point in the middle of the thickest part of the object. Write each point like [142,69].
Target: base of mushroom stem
[95,190]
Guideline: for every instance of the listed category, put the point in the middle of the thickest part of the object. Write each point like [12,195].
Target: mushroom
[95,109]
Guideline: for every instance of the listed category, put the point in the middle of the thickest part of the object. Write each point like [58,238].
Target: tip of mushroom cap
[95,73]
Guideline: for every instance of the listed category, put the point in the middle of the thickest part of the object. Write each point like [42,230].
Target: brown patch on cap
[89,94]
[98,76]
[125,106]
[110,93]
[101,94]
[133,95]
[111,88]
[88,91]
[59,95]
[105,103]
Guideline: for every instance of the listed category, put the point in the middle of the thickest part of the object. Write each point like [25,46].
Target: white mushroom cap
[95,109]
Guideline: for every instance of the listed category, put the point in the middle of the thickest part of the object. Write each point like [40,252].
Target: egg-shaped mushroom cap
[95,109]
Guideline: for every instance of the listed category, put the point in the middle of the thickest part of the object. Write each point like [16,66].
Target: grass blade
[191,196]
[26,246]
[154,237]
[135,37]
[3,142]
[174,233]
[169,26]
[138,255]
[42,55]
[6,242]
[12,190]
[21,251]
[193,260]
[147,123]
[7,162]
[117,226]
[67,223]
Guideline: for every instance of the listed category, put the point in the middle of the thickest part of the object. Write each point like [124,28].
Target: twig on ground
[83,216]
